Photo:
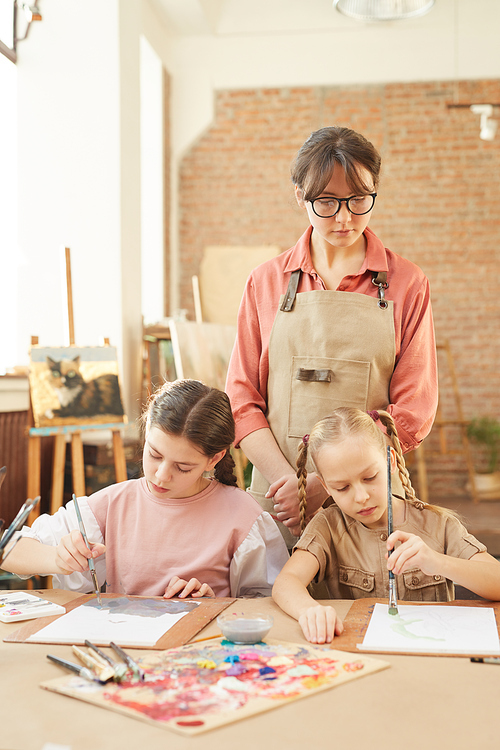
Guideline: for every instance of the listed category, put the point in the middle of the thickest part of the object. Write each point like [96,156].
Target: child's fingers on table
[205,590]
[175,585]
[318,624]
[192,585]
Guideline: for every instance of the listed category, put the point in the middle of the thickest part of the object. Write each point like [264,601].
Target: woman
[337,320]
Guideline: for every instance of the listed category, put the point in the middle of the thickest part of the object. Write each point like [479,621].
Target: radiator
[13,455]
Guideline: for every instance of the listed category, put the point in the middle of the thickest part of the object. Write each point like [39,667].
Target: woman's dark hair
[314,164]
[198,413]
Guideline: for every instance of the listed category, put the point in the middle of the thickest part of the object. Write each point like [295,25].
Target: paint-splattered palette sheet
[198,687]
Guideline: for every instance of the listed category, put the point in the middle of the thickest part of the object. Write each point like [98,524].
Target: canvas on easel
[75,385]
[72,389]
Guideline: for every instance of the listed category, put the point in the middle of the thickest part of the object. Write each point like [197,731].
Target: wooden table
[420,702]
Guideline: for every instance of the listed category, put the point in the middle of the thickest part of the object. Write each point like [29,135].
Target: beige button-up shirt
[352,560]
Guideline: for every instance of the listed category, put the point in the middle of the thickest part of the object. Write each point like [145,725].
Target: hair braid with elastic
[224,470]
[388,423]
[302,485]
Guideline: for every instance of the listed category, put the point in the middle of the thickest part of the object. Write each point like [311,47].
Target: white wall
[79,179]
[69,172]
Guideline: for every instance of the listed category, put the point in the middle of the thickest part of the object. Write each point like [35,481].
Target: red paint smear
[194,723]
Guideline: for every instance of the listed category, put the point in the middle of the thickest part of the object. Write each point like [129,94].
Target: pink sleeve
[248,369]
[414,385]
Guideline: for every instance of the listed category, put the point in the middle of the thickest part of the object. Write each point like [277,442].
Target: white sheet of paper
[428,628]
[103,625]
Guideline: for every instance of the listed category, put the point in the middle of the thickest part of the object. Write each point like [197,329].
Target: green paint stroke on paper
[399,626]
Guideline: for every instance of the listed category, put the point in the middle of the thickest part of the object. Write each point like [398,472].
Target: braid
[388,423]
[302,485]
[224,470]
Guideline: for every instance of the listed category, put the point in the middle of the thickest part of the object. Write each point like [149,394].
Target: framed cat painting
[75,385]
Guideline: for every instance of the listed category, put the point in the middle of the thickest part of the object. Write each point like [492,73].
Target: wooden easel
[60,433]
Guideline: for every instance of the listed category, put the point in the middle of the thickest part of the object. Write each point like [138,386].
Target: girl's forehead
[349,450]
[175,446]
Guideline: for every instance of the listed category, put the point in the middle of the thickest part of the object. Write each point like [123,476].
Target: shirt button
[365,582]
[345,576]
[437,578]
[383,537]
[414,580]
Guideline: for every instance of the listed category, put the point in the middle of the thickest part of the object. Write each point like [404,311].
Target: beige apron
[327,349]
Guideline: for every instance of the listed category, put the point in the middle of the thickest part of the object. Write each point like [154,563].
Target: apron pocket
[321,384]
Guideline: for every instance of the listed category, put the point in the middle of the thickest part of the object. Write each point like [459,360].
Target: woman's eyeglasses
[358,205]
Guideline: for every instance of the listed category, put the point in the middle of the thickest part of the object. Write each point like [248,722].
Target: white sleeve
[258,559]
[50,529]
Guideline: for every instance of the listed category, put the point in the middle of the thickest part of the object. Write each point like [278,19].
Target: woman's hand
[72,554]
[286,499]
[178,587]
[319,624]
[413,552]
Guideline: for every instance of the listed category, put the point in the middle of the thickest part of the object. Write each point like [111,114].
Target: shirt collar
[375,257]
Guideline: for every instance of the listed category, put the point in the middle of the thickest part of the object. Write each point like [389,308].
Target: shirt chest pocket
[420,587]
[321,384]
[356,583]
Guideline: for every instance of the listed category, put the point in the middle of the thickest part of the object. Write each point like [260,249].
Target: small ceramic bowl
[240,628]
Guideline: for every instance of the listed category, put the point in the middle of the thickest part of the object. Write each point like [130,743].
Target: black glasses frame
[346,201]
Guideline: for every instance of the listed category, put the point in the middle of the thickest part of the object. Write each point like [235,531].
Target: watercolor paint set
[21,605]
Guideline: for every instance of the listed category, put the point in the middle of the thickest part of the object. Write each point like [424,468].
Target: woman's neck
[332,264]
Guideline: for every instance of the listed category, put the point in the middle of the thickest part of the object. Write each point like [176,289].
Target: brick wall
[438,205]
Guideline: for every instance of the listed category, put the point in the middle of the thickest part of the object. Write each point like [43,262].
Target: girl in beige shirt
[346,544]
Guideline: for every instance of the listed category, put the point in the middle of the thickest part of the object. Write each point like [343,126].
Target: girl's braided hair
[347,422]
[198,413]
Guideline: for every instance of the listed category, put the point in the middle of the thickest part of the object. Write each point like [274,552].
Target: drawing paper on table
[133,622]
[429,628]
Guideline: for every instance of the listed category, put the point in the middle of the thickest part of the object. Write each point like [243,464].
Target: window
[7,21]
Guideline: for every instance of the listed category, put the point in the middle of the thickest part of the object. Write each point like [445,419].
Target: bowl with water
[244,628]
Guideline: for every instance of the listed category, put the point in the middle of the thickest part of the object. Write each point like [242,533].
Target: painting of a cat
[79,398]
[75,386]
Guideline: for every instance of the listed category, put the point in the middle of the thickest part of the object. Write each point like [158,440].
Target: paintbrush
[84,672]
[16,525]
[96,664]
[393,604]
[91,560]
[131,664]
[119,669]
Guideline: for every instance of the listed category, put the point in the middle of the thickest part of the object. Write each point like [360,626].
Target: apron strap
[291,292]
[380,279]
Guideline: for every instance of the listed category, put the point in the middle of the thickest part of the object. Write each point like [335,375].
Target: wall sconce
[30,13]
[487,126]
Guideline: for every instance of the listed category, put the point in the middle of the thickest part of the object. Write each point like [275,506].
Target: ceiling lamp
[383,10]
